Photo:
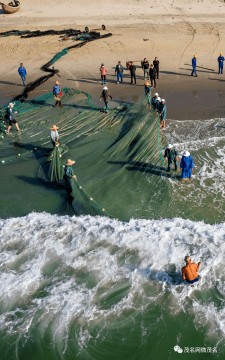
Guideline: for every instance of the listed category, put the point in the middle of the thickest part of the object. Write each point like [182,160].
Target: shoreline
[173,34]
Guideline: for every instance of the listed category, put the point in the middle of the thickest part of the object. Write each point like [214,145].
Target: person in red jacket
[190,270]
[103,72]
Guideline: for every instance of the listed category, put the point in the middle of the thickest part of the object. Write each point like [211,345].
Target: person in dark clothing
[162,113]
[171,156]
[119,72]
[68,177]
[220,63]
[194,65]
[106,98]
[154,101]
[10,117]
[132,69]
[145,67]
[148,88]
[152,75]
[156,66]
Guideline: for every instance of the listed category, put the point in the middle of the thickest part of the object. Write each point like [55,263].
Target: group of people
[186,163]
[151,72]
[159,105]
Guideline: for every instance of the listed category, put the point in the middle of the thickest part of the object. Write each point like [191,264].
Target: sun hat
[163,100]
[70,162]
[156,94]
[54,127]
[105,88]
[158,98]
[170,146]
[57,82]
[11,104]
[186,153]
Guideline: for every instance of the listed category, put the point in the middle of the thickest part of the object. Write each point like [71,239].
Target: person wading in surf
[190,270]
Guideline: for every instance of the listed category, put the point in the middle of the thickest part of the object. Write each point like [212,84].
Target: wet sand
[170,30]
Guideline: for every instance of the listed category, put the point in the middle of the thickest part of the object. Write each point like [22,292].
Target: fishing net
[117,154]
[112,151]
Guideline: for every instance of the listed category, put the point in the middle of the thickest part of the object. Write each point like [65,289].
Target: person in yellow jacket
[190,270]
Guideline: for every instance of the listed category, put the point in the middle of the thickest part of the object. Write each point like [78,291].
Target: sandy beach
[170,30]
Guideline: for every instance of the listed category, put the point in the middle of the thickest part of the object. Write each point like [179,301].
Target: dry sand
[172,30]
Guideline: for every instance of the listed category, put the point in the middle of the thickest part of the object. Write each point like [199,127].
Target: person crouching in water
[106,98]
[162,113]
[10,117]
[186,165]
[68,177]
[171,155]
[190,271]
[54,135]
[57,93]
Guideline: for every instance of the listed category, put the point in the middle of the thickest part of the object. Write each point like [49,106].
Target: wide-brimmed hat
[156,94]
[170,146]
[147,83]
[54,127]
[70,162]
[186,153]
[11,104]
[163,100]
[158,98]
[105,88]
[57,82]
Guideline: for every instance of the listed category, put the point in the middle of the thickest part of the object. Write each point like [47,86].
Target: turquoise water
[84,287]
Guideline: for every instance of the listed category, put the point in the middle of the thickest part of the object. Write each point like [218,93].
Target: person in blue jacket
[186,165]
[57,93]
[220,63]
[194,65]
[23,73]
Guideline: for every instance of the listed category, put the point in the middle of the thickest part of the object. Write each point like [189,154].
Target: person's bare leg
[8,130]
[17,127]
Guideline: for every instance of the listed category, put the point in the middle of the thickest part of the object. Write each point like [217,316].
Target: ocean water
[83,287]
[94,288]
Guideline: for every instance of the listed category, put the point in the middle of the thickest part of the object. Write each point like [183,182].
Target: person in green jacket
[171,155]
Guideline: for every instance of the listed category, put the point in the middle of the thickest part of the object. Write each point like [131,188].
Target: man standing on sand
[220,63]
[190,271]
[186,165]
[119,72]
[145,67]
[156,66]
[132,69]
[194,65]
[23,73]
[152,75]
[103,72]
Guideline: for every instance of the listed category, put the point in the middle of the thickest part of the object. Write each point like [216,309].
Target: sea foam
[57,270]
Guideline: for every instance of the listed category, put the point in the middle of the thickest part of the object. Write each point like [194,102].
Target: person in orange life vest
[103,72]
[190,270]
